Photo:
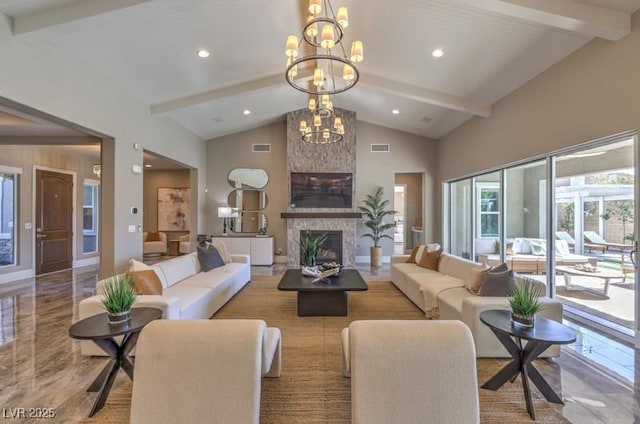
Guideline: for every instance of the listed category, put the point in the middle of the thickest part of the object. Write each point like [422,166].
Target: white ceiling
[491,47]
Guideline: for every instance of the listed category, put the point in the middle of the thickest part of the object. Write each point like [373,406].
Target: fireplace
[331,249]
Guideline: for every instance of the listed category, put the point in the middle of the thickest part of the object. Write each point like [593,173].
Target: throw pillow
[146,282]
[429,260]
[137,266]
[153,236]
[209,258]
[538,247]
[497,284]
[475,278]
[222,250]
[412,257]
[562,248]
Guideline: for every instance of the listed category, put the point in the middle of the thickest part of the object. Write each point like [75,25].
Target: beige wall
[42,77]
[409,153]
[27,158]
[595,92]
[234,151]
[152,181]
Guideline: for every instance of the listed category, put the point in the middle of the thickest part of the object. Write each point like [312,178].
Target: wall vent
[380,148]
[261,148]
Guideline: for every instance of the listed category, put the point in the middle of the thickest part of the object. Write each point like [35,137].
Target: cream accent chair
[203,371]
[154,247]
[184,244]
[407,372]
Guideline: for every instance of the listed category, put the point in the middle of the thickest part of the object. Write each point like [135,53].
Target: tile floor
[40,366]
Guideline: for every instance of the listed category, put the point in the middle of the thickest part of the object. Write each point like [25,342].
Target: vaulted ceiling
[148,47]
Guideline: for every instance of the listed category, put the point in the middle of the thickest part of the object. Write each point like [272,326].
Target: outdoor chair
[595,241]
[563,235]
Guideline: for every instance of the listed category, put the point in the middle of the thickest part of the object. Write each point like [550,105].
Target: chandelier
[323,32]
[333,70]
[325,127]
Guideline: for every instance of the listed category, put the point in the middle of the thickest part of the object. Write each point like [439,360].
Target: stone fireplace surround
[304,157]
[346,225]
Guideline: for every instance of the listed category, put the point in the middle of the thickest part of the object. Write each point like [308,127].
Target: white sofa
[187,292]
[527,255]
[203,371]
[442,295]
[158,247]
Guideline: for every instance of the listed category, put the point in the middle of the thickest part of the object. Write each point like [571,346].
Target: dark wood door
[54,218]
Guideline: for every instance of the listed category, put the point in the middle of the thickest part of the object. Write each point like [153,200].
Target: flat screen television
[321,190]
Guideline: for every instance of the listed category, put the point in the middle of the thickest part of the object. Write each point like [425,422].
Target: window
[90,216]
[488,209]
[8,209]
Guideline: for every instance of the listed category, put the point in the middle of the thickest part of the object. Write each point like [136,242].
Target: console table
[545,333]
[259,248]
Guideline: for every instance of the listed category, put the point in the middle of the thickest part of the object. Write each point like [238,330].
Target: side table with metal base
[545,333]
[98,330]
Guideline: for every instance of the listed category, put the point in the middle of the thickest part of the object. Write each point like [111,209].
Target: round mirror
[248,178]
[247,200]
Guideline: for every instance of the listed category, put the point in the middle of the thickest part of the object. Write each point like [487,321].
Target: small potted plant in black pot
[525,303]
[119,296]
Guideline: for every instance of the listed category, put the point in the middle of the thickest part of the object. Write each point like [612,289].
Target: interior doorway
[54,221]
[408,202]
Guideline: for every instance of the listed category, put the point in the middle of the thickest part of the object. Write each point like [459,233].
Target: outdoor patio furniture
[563,235]
[595,241]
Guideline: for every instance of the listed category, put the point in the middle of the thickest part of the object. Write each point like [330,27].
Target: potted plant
[375,211]
[525,302]
[309,248]
[119,295]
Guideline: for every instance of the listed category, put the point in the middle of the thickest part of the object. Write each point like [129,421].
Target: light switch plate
[132,228]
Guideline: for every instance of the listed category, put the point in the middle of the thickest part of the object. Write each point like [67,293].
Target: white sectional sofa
[442,295]
[187,292]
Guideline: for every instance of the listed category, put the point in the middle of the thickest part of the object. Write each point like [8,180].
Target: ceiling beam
[217,94]
[67,18]
[426,95]
[568,15]
[408,91]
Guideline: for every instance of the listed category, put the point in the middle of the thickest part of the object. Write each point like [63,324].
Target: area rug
[311,388]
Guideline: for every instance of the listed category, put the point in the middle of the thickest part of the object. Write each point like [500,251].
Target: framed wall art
[173,209]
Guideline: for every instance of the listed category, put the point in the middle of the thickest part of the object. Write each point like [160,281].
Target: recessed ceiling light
[247,112]
[147,165]
[395,111]
[202,53]
[437,53]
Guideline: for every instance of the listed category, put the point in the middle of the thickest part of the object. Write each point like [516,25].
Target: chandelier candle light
[324,32]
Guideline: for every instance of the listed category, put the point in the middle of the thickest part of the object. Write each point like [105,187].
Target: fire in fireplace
[331,249]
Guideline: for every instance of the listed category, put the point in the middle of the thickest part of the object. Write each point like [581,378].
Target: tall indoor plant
[375,211]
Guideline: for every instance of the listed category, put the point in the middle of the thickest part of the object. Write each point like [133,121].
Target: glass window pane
[8,197]
[90,218]
[460,220]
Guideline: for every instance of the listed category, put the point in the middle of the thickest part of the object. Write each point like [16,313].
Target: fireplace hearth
[331,249]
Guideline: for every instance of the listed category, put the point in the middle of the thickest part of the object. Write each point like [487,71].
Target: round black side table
[544,333]
[98,330]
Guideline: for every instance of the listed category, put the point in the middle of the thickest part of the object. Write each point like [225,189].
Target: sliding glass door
[568,220]
[596,210]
